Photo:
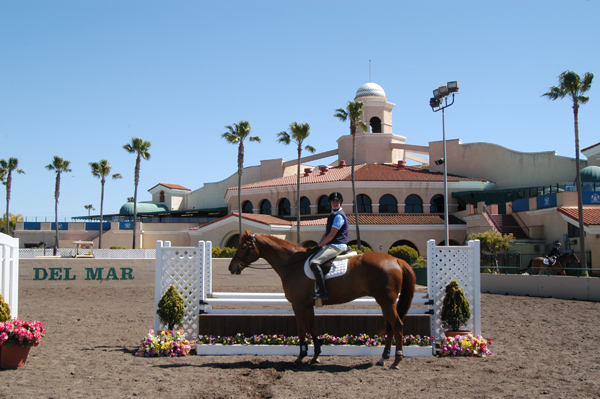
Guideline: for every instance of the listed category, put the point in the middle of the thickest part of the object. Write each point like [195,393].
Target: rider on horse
[333,242]
[554,253]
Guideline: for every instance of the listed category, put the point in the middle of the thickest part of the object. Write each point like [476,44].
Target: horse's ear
[247,232]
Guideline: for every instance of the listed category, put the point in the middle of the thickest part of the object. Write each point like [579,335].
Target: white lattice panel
[182,267]
[454,263]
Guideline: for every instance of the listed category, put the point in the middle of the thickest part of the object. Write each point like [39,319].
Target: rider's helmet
[558,244]
[335,196]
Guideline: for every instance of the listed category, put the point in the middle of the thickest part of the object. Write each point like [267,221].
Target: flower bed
[349,345]
[164,344]
[466,345]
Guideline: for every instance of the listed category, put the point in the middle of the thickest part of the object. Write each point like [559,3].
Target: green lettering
[67,274]
[126,273]
[55,273]
[112,274]
[37,271]
[94,275]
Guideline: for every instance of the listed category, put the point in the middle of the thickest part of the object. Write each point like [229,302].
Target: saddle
[332,268]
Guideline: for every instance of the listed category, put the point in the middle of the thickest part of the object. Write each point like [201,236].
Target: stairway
[507,224]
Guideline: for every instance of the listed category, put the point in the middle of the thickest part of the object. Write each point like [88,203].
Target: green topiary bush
[170,308]
[227,252]
[404,252]
[455,309]
[365,248]
[4,310]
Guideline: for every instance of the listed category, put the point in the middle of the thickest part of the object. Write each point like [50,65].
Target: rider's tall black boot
[320,279]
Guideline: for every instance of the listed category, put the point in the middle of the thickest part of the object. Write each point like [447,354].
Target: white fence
[29,253]
[184,268]
[445,264]
[9,272]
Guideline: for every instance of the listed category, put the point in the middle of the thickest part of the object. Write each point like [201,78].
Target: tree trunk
[298,196]
[101,207]
[56,195]
[136,181]
[240,172]
[353,130]
[579,201]
[8,183]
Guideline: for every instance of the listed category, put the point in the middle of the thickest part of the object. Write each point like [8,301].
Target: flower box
[293,350]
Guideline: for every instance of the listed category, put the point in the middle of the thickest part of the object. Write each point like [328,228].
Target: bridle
[242,265]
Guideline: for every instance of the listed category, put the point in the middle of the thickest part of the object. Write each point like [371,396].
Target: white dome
[370,90]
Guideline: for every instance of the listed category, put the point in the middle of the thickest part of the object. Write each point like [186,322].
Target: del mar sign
[91,273]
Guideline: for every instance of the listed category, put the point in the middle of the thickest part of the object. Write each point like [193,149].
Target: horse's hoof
[381,362]
[315,361]
[394,367]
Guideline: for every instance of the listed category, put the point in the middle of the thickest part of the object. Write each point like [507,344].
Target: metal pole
[445,179]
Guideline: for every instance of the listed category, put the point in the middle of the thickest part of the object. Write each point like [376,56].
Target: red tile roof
[171,186]
[364,219]
[591,216]
[363,172]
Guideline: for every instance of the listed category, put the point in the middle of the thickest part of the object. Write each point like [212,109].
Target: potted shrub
[170,308]
[4,310]
[16,339]
[455,310]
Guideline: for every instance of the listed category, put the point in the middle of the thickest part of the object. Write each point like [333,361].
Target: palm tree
[140,148]
[101,170]
[300,132]
[236,134]
[570,85]
[89,208]
[13,219]
[59,166]
[354,112]
[9,166]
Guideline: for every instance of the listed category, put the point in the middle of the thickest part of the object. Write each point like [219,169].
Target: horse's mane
[290,246]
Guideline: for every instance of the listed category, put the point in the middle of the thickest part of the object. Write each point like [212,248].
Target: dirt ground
[542,346]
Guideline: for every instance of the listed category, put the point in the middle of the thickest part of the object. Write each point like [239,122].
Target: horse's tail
[529,265]
[409,280]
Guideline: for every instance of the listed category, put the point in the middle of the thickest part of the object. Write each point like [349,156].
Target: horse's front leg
[312,327]
[301,321]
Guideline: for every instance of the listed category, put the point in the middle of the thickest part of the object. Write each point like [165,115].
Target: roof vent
[342,163]
[323,169]
[307,171]
[401,165]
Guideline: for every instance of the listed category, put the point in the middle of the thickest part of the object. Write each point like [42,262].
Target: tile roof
[363,172]
[171,186]
[591,216]
[364,219]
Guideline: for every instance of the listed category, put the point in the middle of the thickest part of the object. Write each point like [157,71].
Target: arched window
[413,204]
[304,206]
[362,244]
[388,204]
[405,242]
[233,242]
[437,204]
[247,207]
[285,208]
[364,204]
[265,207]
[162,197]
[375,123]
[324,206]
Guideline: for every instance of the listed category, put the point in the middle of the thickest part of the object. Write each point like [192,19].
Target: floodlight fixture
[443,90]
[435,102]
[453,87]
[440,161]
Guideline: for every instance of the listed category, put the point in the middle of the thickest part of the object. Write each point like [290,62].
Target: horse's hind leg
[391,316]
[301,321]
[389,333]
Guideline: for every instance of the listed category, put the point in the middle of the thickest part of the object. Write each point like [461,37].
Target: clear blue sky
[78,79]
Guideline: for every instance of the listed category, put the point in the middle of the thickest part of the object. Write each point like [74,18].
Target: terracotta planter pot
[13,356]
[457,333]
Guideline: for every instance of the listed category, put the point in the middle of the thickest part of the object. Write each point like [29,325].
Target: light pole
[441,95]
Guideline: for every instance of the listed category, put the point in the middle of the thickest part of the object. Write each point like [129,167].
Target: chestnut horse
[381,276]
[537,264]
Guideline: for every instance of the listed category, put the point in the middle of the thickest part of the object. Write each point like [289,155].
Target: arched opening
[437,204]
[362,244]
[233,242]
[285,208]
[388,204]
[304,206]
[413,204]
[323,205]
[247,207]
[405,242]
[375,123]
[161,197]
[310,244]
[265,207]
[364,204]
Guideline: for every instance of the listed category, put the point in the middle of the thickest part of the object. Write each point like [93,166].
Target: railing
[517,263]
[490,219]
[9,272]
[29,253]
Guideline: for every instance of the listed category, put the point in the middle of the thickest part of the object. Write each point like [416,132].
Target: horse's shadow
[277,366]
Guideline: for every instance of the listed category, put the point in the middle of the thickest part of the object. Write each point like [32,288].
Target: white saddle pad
[546,261]
[339,268]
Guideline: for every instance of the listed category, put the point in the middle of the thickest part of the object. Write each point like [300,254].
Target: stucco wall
[563,287]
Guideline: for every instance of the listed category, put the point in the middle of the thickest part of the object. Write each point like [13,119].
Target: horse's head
[245,255]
